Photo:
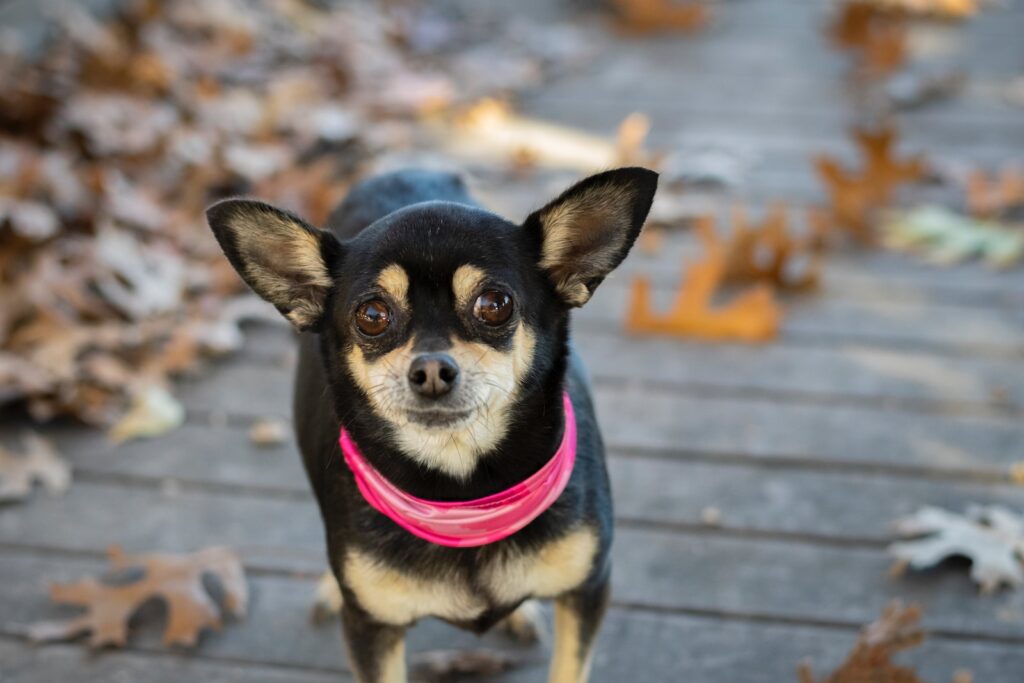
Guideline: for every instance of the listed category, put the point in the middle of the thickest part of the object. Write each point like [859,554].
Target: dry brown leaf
[878,39]
[855,195]
[945,9]
[882,171]
[177,580]
[753,315]
[39,462]
[268,432]
[771,253]
[989,196]
[870,661]
[648,16]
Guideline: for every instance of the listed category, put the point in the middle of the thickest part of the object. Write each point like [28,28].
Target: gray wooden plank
[632,645]
[797,581]
[750,496]
[848,371]
[655,570]
[652,419]
[20,663]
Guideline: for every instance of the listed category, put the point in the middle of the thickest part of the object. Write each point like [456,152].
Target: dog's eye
[373,317]
[493,308]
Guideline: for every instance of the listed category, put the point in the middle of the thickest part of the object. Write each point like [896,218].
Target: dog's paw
[328,601]
[526,624]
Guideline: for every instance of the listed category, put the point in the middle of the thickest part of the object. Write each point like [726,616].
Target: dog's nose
[433,374]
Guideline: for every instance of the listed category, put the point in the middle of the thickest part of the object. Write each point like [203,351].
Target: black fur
[427,223]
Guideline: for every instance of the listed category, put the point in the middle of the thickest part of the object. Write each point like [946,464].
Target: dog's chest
[398,597]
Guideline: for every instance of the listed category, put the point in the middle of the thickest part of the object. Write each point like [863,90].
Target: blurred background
[819,333]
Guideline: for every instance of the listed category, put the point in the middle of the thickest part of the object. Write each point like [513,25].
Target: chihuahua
[445,424]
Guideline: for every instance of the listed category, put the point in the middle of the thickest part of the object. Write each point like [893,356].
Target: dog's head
[441,316]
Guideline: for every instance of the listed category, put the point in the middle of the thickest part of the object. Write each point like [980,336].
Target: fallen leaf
[991,196]
[945,237]
[491,131]
[39,462]
[268,433]
[153,412]
[177,580]
[752,315]
[850,199]
[878,39]
[945,9]
[855,195]
[440,666]
[991,537]
[882,171]
[870,660]
[647,16]
[770,253]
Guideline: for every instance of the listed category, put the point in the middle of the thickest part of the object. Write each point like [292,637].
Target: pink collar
[468,523]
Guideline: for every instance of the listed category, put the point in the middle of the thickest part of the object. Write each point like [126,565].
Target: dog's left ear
[585,233]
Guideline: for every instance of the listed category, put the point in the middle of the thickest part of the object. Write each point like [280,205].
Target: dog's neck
[533,434]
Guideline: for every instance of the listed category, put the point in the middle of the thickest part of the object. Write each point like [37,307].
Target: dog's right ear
[284,259]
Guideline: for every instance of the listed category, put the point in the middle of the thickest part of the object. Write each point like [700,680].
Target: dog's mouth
[437,417]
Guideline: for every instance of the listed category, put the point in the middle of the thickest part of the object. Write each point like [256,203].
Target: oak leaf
[39,462]
[770,252]
[177,580]
[855,195]
[753,315]
[945,237]
[989,196]
[879,40]
[646,16]
[991,536]
[870,660]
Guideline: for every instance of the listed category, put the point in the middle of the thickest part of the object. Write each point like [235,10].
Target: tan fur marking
[556,568]
[392,664]
[328,599]
[395,281]
[568,665]
[399,599]
[465,283]
[577,227]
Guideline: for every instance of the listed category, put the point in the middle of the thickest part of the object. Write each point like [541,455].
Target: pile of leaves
[115,140]
[870,660]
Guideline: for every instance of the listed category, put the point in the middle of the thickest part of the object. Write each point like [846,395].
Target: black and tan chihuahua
[436,334]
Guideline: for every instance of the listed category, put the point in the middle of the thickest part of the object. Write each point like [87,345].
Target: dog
[446,426]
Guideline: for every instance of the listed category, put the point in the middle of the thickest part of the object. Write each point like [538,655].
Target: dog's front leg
[578,617]
[376,651]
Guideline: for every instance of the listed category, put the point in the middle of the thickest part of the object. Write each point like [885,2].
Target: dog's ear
[284,259]
[585,233]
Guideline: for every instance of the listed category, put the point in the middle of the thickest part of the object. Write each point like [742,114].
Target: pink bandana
[468,523]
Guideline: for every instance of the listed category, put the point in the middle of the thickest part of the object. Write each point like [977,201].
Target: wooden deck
[899,385]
